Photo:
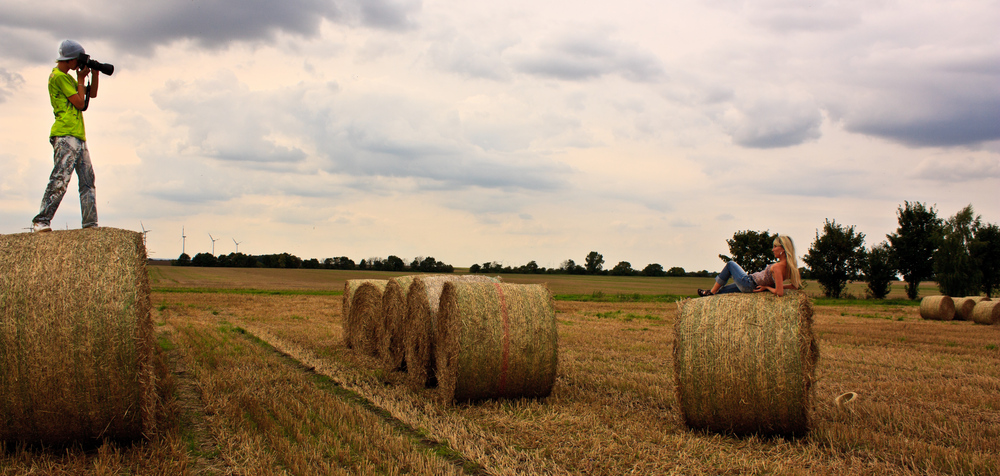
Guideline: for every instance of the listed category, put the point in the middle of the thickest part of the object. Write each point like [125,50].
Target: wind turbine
[213,243]
[183,239]
[144,231]
[237,245]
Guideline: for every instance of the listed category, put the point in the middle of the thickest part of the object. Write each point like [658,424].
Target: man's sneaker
[40,227]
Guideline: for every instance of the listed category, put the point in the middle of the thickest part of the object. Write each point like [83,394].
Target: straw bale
[964,306]
[350,327]
[76,337]
[391,349]
[365,311]
[986,312]
[937,308]
[496,340]
[745,363]
[422,301]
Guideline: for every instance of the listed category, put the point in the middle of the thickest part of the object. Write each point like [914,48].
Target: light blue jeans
[69,154]
[742,282]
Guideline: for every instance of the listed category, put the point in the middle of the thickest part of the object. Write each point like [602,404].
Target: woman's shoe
[704,292]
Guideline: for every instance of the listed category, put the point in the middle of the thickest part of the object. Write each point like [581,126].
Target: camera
[85,60]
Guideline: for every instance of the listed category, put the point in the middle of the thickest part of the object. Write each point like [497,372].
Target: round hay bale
[76,337]
[986,312]
[391,348]
[496,340]
[964,306]
[937,308]
[350,327]
[422,302]
[745,363]
[366,310]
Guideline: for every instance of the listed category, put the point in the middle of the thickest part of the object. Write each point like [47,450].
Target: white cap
[69,50]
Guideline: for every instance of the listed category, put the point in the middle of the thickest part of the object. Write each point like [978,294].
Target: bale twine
[496,340]
[422,302]
[391,348]
[745,363]
[365,311]
[76,337]
[350,327]
[937,308]
[964,306]
[986,312]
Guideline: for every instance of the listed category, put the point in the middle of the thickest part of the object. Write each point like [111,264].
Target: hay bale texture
[350,326]
[986,313]
[745,363]
[937,308]
[420,325]
[495,340]
[964,306]
[364,314]
[76,337]
[391,348]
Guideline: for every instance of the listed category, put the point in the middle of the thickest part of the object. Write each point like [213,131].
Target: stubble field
[255,379]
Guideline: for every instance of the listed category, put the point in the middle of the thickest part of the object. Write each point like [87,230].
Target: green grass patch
[258,292]
[824,301]
[600,296]
[624,316]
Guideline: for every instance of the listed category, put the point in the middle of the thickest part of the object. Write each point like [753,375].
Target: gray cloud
[9,82]
[578,58]
[138,27]
[958,170]
[772,120]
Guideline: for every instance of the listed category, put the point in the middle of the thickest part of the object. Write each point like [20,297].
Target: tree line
[960,253]
[286,260]
[593,264]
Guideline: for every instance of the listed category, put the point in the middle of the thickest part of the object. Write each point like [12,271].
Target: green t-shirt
[69,119]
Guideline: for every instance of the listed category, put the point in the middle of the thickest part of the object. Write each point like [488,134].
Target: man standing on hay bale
[69,98]
[772,278]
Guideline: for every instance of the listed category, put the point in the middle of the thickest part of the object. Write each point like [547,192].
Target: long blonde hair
[785,242]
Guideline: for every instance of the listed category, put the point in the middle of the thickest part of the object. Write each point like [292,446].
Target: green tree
[677,271]
[653,269]
[594,262]
[623,268]
[987,255]
[878,270]
[835,257]
[914,243]
[955,269]
[182,260]
[750,249]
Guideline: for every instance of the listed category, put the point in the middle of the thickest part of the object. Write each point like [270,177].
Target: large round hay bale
[745,363]
[986,312]
[422,302]
[76,337]
[350,327]
[391,349]
[964,306]
[365,312]
[937,308]
[496,340]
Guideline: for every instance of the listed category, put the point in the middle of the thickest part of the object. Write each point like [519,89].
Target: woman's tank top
[764,278]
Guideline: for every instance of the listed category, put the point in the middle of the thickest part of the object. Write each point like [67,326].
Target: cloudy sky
[509,131]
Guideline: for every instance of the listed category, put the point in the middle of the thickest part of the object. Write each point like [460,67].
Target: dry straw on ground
[745,363]
[391,349]
[937,308]
[987,313]
[964,306]
[365,312]
[350,327]
[496,340]
[420,324]
[76,337]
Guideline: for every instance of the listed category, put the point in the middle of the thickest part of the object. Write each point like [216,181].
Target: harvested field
[277,392]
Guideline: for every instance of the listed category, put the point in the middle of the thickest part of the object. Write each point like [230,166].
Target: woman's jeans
[742,282]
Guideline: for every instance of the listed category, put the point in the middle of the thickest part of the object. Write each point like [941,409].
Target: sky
[515,131]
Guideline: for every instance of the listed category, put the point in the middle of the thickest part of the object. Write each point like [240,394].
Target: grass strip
[418,437]
[250,291]
[601,296]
